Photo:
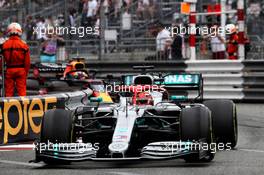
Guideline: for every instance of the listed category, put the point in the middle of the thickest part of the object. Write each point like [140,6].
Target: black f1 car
[174,128]
[53,78]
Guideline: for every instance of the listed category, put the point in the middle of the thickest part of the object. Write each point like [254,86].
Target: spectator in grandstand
[117,6]
[97,23]
[71,19]
[140,10]
[2,38]
[40,35]
[72,13]
[80,6]
[146,4]
[217,43]
[152,8]
[61,51]
[255,19]
[49,22]
[176,46]
[84,12]
[127,4]
[49,47]
[2,3]
[60,21]
[5,3]
[91,12]
[29,28]
[163,42]
[146,9]
[106,4]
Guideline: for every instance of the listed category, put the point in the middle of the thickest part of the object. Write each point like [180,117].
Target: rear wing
[181,84]
[189,81]
[185,84]
[50,67]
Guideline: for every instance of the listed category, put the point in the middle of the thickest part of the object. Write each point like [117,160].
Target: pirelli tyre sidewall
[196,124]
[224,117]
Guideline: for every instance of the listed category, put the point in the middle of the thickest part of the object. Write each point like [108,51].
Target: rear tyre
[33,87]
[196,124]
[59,86]
[224,117]
[57,127]
[32,84]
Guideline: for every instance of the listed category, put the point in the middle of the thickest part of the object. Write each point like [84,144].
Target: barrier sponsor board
[20,117]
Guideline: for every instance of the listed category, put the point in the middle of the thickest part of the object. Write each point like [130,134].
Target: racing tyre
[60,86]
[32,84]
[57,127]
[33,87]
[196,124]
[224,117]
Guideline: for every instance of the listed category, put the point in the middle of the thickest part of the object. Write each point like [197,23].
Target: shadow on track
[126,164]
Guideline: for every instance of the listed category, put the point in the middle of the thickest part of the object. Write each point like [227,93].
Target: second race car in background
[58,78]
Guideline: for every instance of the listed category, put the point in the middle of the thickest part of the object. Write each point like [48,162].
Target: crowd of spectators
[9,3]
[255,18]
[88,10]
[146,9]
[89,13]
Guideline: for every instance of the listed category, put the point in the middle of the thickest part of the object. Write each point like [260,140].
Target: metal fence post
[102,32]
[241,29]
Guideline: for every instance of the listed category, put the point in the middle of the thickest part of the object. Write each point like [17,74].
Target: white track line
[252,150]
[17,147]
[123,173]
[21,163]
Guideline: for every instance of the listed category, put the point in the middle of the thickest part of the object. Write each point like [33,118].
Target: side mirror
[96,99]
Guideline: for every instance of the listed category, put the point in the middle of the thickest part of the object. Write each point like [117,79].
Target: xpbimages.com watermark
[195,145]
[136,88]
[200,30]
[174,147]
[80,31]
[73,147]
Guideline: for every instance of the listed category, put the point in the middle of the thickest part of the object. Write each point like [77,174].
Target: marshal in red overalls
[232,47]
[17,59]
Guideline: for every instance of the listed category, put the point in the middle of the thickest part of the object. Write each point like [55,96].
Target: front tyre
[57,127]
[196,124]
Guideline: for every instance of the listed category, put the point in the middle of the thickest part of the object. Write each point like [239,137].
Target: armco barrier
[20,117]
[253,80]
[223,79]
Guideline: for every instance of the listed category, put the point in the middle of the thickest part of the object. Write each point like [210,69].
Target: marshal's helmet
[231,28]
[14,29]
